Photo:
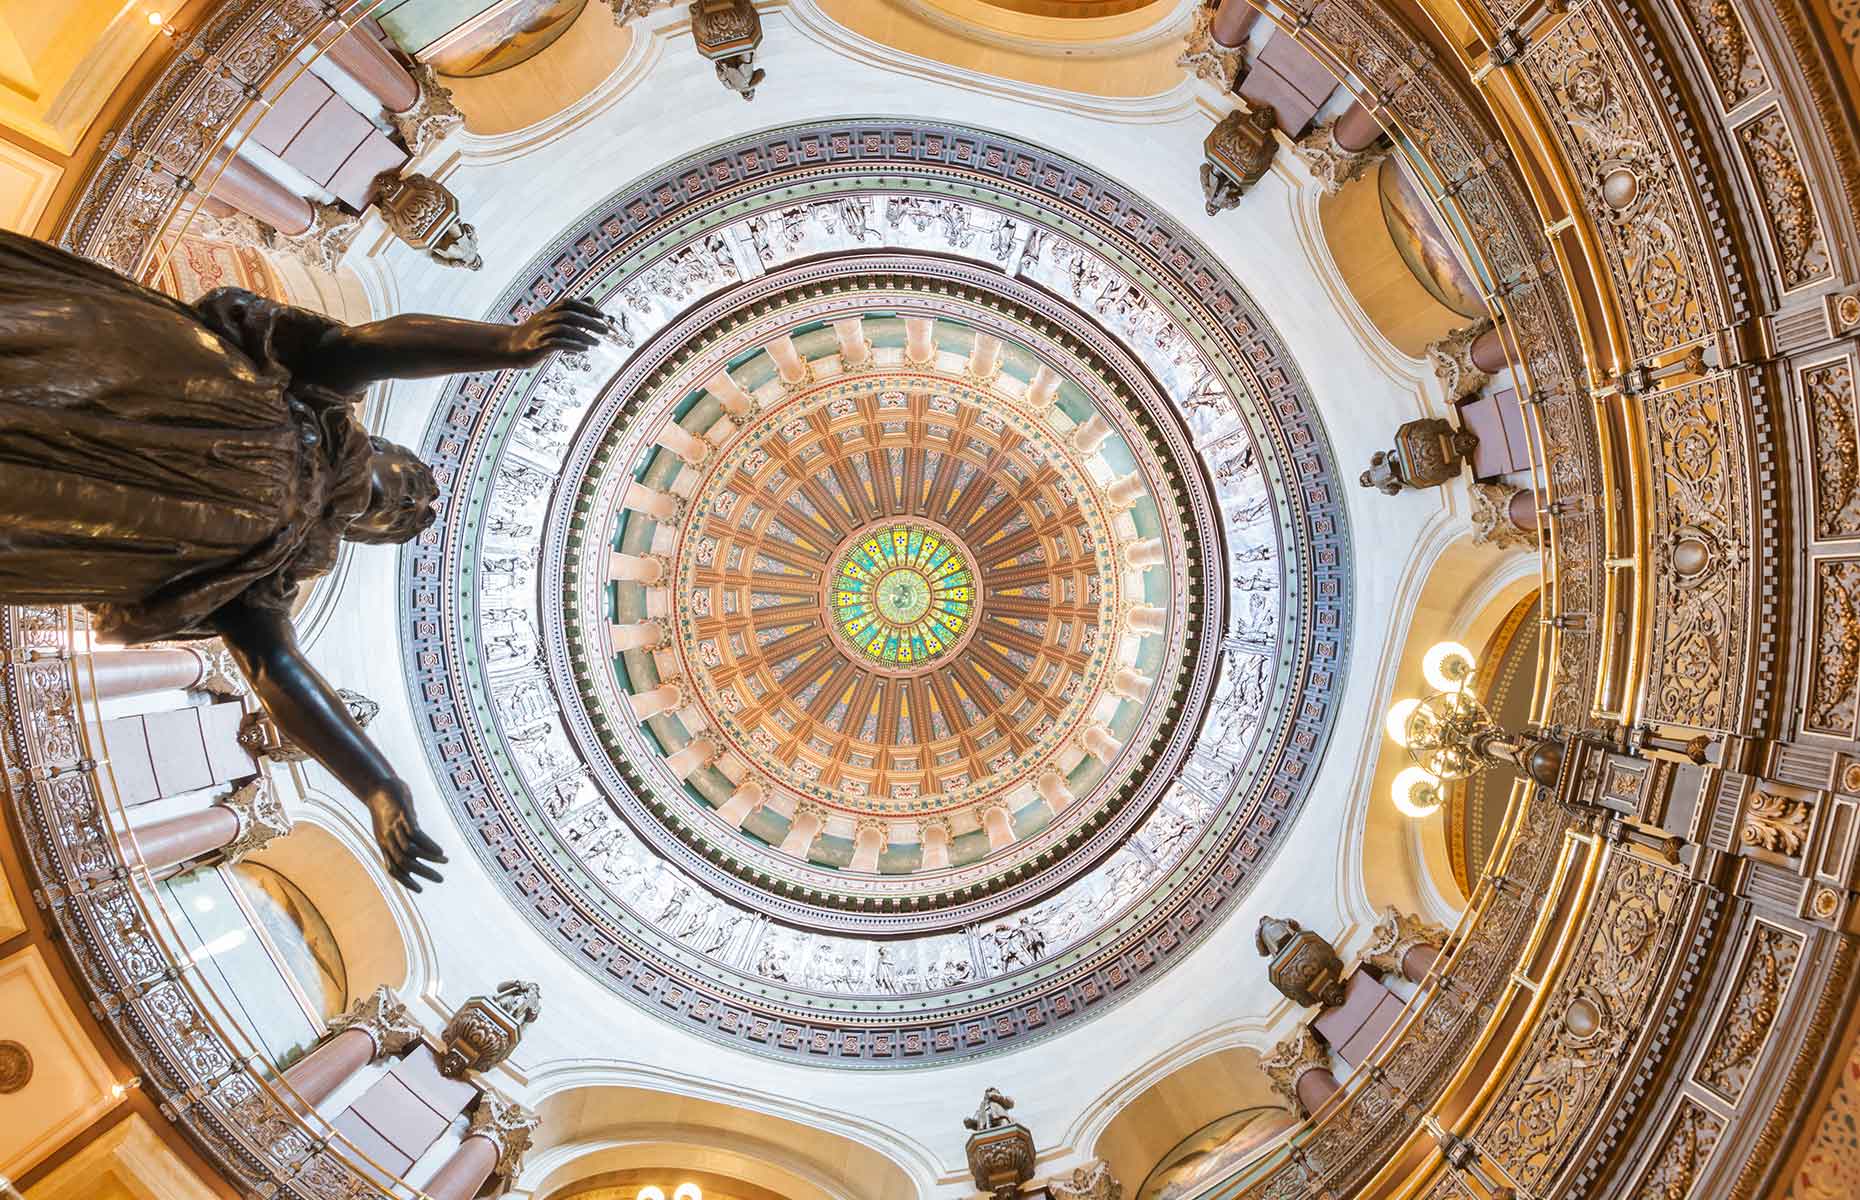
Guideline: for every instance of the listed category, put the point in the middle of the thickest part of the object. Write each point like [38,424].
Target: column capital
[507,1125]
[1291,1060]
[1396,934]
[432,116]
[1092,1181]
[261,818]
[1330,164]
[385,1020]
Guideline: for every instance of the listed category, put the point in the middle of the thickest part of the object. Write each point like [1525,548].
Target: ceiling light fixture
[1449,734]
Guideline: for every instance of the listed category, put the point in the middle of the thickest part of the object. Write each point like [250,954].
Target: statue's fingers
[593,322]
[585,307]
[426,847]
[569,339]
[416,867]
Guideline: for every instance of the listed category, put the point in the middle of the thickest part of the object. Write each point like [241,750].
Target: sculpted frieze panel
[1736,71]
[1797,242]
[1763,978]
[1701,554]
[1834,650]
[1689,1141]
[1598,1009]
[1828,393]
[1621,155]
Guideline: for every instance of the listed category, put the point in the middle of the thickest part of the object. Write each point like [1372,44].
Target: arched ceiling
[960,370]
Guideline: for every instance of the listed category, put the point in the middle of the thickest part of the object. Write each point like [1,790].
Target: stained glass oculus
[903,595]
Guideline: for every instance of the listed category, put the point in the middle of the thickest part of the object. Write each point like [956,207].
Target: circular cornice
[1013,242]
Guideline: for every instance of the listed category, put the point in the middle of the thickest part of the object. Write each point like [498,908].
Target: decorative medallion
[15,1067]
[917,622]
[903,594]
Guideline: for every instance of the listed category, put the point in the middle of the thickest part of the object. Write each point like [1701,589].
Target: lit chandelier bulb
[1447,665]
[1397,724]
[1416,793]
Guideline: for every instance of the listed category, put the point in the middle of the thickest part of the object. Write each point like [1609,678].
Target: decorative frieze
[1736,71]
[1788,208]
[1828,394]
[1834,657]
[1762,980]
[1686,1149]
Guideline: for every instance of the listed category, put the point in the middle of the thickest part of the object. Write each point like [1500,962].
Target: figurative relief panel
[1834,651]
[1828,389]
[1788,208]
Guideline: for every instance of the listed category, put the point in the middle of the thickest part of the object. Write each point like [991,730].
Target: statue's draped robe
[158,461]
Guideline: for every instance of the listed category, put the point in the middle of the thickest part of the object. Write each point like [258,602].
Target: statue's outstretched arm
[308,711]
[348,358]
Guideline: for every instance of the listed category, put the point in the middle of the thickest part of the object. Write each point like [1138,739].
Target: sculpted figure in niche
[183,470]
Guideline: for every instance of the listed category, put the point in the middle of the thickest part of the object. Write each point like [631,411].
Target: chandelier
[1450,735]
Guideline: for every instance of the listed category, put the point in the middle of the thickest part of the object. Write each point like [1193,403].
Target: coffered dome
[916,579]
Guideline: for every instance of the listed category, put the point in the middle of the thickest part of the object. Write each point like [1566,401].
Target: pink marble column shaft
[1232,20]
[1356,129]
[185,838]
[1488,352]
[251,191]
[316,1076]
[368,62]
[135,672]
[461,1176]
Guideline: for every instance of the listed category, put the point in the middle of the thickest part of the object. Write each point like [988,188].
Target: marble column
[1147,619]
[1148,552]
[1356,130]
[1232,21]
[240,183]
[136,672]
[375,1027]
[1125,490]
[1043,388]
[176,840]
[998,824]
[789,364]
[1092,434]
[933,834]
[496,1138]
[801,832]
[742,802]
[1488,352]
[730,394]
[232,827]
[868,843]
[365,60]
[664,698]
[919,340]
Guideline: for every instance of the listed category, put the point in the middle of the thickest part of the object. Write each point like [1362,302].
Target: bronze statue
[181,470]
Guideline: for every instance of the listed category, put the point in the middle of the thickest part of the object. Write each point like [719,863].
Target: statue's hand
[402,843]
[564,325]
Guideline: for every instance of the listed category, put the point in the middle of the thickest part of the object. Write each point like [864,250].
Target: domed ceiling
[912,626]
